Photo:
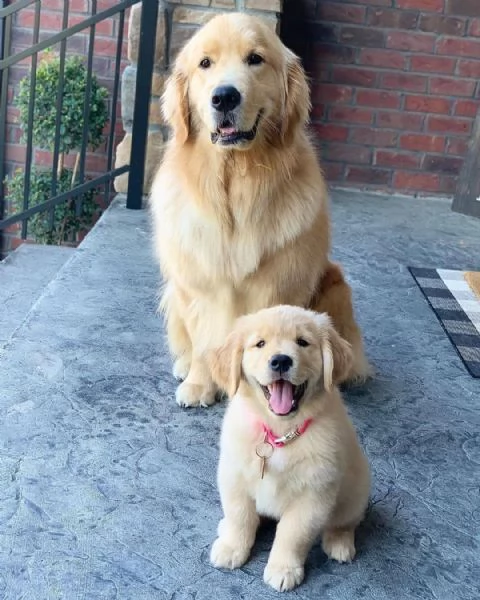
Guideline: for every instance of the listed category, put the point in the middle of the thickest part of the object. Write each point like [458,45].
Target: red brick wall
[103,66]
[395,88]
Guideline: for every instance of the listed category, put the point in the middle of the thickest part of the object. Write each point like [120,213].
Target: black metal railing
[40,42]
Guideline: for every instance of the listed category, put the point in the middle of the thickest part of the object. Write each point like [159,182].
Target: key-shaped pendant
[264,451]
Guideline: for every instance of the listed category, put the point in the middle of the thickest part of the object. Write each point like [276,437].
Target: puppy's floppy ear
[226,363]
[297,97]
[175,104]
[337,359]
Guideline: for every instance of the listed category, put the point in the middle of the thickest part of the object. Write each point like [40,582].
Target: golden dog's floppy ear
[337,359]
[226,363]
[297,97]
[175,105]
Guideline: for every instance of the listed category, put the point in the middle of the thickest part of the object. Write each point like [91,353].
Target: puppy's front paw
[339,545]
[181,368]
[190,394]
[283,577]
[225,556]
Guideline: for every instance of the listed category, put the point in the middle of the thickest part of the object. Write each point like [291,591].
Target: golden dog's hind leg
[335,298]
[179,342]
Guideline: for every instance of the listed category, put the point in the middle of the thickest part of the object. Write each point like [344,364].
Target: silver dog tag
[264,451]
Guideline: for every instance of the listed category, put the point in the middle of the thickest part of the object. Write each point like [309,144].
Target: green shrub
[45,105]
[66,223]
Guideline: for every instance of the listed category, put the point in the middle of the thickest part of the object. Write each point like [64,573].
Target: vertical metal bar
[56,149]
[143,89]
[113,113]
[86,108]
[3,82]
[6,32]
[31,107]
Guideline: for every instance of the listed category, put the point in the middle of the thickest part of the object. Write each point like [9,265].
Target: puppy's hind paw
[283,578]
[339,545]
[225,556]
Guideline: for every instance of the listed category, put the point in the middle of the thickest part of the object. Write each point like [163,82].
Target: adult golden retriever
[288,449]
[239,202]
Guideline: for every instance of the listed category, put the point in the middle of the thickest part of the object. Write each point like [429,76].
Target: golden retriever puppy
[239,203]
[288,449]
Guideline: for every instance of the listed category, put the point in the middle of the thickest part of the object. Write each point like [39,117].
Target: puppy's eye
[260,344]
[205,63]
[254,59]
[302,343]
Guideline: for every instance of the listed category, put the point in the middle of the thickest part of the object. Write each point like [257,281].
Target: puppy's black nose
[225,98]
[280,363]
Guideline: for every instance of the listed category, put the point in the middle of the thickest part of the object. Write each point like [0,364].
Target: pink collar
[279,442]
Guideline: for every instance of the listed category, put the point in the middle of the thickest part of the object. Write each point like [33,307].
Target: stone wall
[177,22]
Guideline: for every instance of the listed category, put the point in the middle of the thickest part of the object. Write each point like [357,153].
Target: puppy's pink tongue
[281,397]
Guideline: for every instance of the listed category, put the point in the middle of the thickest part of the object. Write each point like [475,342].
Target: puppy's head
[286,355]
[234,82]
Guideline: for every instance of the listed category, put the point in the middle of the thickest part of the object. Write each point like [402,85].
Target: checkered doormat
[457,307]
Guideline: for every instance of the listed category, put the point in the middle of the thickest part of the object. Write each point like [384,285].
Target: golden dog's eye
[260,344]
[254,59]
[302,343]
[205,63]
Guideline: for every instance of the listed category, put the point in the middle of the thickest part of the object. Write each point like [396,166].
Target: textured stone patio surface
[107,488]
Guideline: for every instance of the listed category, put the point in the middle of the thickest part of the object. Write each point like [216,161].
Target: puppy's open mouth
[283,397]
[228,135]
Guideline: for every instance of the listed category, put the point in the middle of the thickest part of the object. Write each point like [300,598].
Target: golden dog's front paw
[339,545]
[225,556]
[181,368]
[191,394]
[283,577]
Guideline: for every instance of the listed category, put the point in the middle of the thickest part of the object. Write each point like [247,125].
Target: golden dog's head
[235,83]
[285,354]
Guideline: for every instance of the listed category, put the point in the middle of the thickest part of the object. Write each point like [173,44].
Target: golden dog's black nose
[225,98]
[280,363]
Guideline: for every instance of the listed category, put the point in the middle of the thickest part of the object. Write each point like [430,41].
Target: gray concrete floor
[24,274]
[107,488]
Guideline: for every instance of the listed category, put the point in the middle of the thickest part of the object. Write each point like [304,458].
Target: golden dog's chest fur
[239,229]
[215,230]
